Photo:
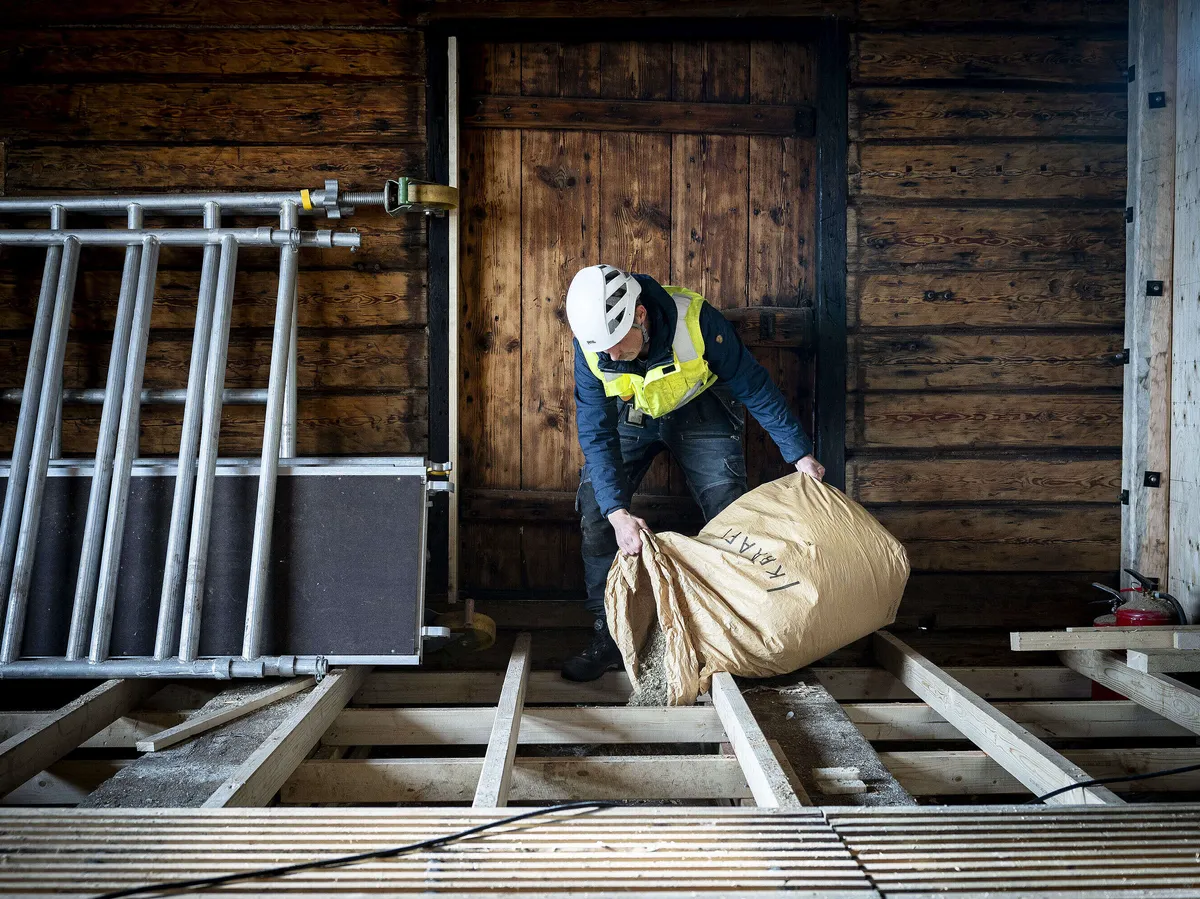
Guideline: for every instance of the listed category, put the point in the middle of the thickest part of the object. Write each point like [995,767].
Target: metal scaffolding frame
[39,422]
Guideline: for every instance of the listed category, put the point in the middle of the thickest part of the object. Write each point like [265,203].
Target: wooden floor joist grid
[412,737]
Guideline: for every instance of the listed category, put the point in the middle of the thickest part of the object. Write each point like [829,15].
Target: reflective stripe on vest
[666,387]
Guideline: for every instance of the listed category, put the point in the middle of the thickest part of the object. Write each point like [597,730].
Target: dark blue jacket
[730,361]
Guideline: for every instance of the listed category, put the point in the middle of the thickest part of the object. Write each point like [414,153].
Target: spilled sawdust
[652,671]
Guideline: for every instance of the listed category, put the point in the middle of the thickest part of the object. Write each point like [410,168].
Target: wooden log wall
[134,96]
[986,249]
[986,256]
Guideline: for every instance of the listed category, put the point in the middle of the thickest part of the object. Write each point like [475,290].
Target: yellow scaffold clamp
[406,195]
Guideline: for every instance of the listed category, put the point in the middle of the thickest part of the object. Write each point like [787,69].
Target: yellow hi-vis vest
[668,386]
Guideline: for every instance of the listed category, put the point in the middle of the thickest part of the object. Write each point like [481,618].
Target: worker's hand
[811,467]
[629,531]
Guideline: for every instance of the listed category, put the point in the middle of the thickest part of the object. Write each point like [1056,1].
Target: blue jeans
[705,437]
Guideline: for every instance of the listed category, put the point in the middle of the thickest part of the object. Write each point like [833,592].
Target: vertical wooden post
[1184,580]
[1145,470]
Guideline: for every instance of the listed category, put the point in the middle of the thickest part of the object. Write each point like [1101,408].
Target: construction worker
[658,368]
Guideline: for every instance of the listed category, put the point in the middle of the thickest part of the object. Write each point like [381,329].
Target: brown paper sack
[786,575]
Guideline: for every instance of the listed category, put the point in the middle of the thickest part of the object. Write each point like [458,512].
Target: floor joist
[768,782]
[46,741]
[1163,695]
[496,771]
[261,776]
[1031,761]
[1066,720]
[1100,638]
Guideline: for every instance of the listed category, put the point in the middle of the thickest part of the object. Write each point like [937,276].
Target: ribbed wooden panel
[698,852]
[1148,850]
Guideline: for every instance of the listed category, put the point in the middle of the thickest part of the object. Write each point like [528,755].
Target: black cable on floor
[176,886]
[1099,782]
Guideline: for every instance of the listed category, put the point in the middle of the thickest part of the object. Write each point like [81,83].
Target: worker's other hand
[811,467]
[629,531]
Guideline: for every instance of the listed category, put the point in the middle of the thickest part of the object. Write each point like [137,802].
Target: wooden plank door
[731,215]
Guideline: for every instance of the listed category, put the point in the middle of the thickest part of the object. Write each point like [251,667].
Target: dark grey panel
[345,565]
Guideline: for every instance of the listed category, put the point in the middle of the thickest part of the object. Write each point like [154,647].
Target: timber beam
[1163,695]
[1028,759]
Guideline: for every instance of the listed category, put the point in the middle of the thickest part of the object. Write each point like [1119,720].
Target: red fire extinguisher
[1140,606]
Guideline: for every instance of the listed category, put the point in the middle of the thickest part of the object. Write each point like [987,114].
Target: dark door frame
[829,296]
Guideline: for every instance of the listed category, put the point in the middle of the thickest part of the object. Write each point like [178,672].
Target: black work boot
[601,655]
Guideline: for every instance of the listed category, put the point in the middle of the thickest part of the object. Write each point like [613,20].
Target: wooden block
[1018,751]
[1098,638]
[207,719]
[838,781]
[1164,661]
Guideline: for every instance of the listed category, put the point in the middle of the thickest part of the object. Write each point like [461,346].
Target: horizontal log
[327,299]
[479,504]
[388,424]
[1054,12]
[942,773]
[1059,58]
[1046,170]
[88,54]
[199,113]
[574,726]
[1062,720]
[1065,538]
[660,116]
[931,600]
[885,238]
[332,360]
[980,420]
[540,779]
[918,361]
[985,299]
[446,688]
[1057,13]
[229,13]
[772,326]
[961,602]
[878,685]
[932,113]
[48,168]
[980,479]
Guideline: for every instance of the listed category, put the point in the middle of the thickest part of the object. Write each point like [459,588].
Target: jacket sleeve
[596,421]
[749,383]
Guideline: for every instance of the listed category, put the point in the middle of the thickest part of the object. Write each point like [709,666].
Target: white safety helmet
[600,305]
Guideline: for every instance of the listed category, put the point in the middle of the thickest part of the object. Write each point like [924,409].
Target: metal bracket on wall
[1152,479]
[1157,99]
[1124,497]
[1154,288]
